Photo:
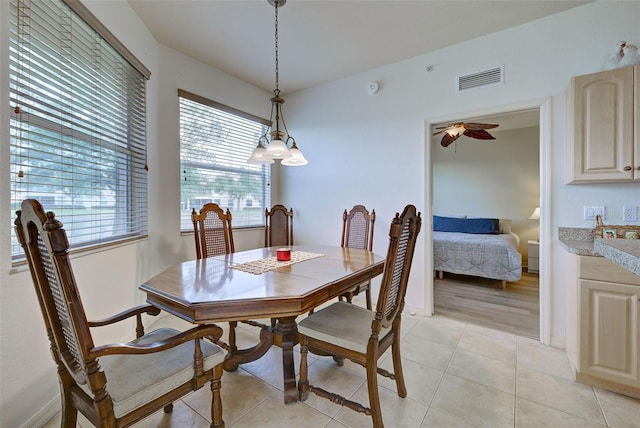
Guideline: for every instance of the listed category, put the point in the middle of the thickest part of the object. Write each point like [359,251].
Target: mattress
[486,256]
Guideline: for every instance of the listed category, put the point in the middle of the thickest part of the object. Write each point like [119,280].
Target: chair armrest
[136,311]
[200,332]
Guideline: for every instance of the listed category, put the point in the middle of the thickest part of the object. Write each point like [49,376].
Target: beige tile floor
[457,375]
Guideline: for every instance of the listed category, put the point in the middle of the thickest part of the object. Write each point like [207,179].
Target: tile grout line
[604,415]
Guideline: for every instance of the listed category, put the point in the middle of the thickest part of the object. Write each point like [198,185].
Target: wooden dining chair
[357,232]
[361,335]
[212,231]
[279,226]
[116,384]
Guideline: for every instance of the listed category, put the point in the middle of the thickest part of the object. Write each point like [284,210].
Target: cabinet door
[636,122]
[609,331]
[600,127]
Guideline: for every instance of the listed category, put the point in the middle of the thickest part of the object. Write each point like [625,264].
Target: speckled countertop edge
[582,241]
[625,252]
[577,240]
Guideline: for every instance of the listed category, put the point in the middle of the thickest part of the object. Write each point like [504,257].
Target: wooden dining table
[252,284]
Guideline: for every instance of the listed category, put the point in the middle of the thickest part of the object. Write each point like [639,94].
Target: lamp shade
[296,159]
[535,215]
[277,149]
[257,157]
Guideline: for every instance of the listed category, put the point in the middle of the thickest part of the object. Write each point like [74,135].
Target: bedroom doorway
[524,303]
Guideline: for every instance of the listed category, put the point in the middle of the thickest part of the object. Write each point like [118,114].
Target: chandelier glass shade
[274,144]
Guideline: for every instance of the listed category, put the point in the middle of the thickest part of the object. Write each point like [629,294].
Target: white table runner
[259,266]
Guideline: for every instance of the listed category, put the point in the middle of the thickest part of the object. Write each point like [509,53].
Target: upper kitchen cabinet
[603,127]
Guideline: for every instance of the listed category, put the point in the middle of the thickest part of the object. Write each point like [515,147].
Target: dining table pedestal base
[236,357]
[286,336]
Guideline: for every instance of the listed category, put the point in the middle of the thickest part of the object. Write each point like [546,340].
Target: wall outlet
[630,213]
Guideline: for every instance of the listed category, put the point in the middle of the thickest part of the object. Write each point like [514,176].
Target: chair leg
[216,398]
[374,396]
[168,408]
[397,367]
[368,293]
[69,413]
[303,382]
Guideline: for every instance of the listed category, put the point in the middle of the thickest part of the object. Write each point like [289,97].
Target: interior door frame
[544,113]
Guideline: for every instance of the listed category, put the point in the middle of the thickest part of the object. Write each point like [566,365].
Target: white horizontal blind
[78,130]
[215,143]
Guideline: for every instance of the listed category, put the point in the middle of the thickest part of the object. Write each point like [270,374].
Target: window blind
[215,143]
[77,126]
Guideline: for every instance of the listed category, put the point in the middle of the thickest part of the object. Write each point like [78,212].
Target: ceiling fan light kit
[276,147]
[453,131]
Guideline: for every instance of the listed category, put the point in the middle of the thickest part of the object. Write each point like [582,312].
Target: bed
[478,247]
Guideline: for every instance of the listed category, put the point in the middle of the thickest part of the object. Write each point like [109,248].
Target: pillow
[504,225]
[466,225]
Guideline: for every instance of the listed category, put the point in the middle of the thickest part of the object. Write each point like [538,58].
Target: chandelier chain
[277,90]
[275,140]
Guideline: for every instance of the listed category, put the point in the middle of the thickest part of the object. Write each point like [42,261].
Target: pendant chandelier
[274,144]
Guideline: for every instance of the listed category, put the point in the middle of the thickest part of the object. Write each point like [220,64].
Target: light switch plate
[590,212]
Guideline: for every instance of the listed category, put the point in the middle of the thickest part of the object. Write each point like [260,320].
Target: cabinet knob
[628,168]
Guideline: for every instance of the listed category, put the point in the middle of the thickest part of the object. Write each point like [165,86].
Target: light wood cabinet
[603,127]
[603,329]
[609,331]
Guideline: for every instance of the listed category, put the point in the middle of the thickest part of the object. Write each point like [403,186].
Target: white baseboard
[45,414]
[414,310]
[558,342]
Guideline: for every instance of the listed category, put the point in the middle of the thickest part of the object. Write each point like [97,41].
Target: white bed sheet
[486,256]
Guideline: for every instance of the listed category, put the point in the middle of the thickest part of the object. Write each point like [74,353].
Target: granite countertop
[625,252]
[581,241]
[577,240]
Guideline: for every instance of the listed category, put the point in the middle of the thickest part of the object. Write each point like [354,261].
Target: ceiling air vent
[480,79]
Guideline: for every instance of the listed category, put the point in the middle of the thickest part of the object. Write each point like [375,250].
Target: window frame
[40,126]
[241,150]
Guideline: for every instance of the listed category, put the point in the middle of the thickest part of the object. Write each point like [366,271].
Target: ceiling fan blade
[439,132]
[480,134]
[475,126]
[448,139]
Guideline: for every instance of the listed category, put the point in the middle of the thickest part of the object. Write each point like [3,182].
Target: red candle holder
[283,254]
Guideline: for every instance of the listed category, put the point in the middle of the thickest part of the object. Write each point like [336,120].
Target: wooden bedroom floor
[483,302]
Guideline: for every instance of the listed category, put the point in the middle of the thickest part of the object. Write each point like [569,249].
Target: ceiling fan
[471,130]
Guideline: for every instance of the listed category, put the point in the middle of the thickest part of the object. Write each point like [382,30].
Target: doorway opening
[522,306]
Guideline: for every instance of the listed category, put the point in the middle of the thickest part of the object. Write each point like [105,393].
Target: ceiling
[323,40]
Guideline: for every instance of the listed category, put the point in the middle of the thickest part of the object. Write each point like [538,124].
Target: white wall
[491,178]
[108,280]
[371,149]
